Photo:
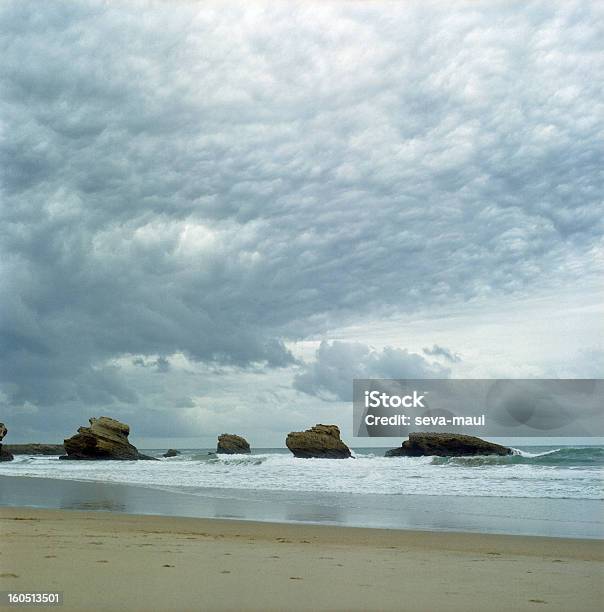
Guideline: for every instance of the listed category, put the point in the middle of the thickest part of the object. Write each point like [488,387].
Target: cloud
[220,181]
[441,351]
[161,364]
[338,363]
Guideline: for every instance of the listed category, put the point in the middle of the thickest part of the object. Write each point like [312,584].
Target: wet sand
[110,561]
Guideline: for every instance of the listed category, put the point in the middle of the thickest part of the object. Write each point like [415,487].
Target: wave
[567,472]
[562,457]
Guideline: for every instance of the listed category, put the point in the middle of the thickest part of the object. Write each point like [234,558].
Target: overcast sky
[214,216]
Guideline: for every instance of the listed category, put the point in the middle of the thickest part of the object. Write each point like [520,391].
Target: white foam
[530,455]
[366,474]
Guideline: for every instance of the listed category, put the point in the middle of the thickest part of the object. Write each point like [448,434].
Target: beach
[268,531]
[112,561]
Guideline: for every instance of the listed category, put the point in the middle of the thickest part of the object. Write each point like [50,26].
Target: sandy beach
[108,561]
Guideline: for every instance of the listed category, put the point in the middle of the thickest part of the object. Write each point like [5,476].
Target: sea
[543,491]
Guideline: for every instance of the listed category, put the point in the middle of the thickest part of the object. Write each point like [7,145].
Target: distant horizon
[386,443]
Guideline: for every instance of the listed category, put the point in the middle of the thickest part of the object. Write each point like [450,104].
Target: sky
[213,216]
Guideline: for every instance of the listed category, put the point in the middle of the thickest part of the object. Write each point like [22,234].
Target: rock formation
[318,441]
[4,454]
[171,452]
[446,445]
[106,438]
[230,444]
[35,449]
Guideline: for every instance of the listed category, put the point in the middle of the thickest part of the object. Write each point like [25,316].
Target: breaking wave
[557,457]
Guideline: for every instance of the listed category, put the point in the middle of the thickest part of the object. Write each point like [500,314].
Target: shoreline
[581,519]
[111,561]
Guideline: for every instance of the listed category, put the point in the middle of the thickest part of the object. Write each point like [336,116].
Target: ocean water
[537,491]
[551,473]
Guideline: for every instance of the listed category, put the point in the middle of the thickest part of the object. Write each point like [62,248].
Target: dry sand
[104,561]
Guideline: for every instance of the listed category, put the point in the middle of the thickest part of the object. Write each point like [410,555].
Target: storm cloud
[222,181]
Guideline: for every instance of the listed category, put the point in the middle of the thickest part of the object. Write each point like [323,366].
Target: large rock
[171,452]
[230,444]
[106,438]
[422,444]
[35,449]
[5,455]
[319,441]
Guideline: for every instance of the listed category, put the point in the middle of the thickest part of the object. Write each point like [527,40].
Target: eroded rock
[35,449]
[106,438]
[5,455]
[230,444]
[422,444]
[321,441]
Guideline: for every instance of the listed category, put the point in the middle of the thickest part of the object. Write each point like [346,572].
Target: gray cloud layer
[218,180]
[338,363]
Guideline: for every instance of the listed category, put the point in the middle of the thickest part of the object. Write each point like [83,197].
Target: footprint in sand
[167,565]
[538,601]
[102,561]
[225,572]
[9,575]
[50,556]
[295,578]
